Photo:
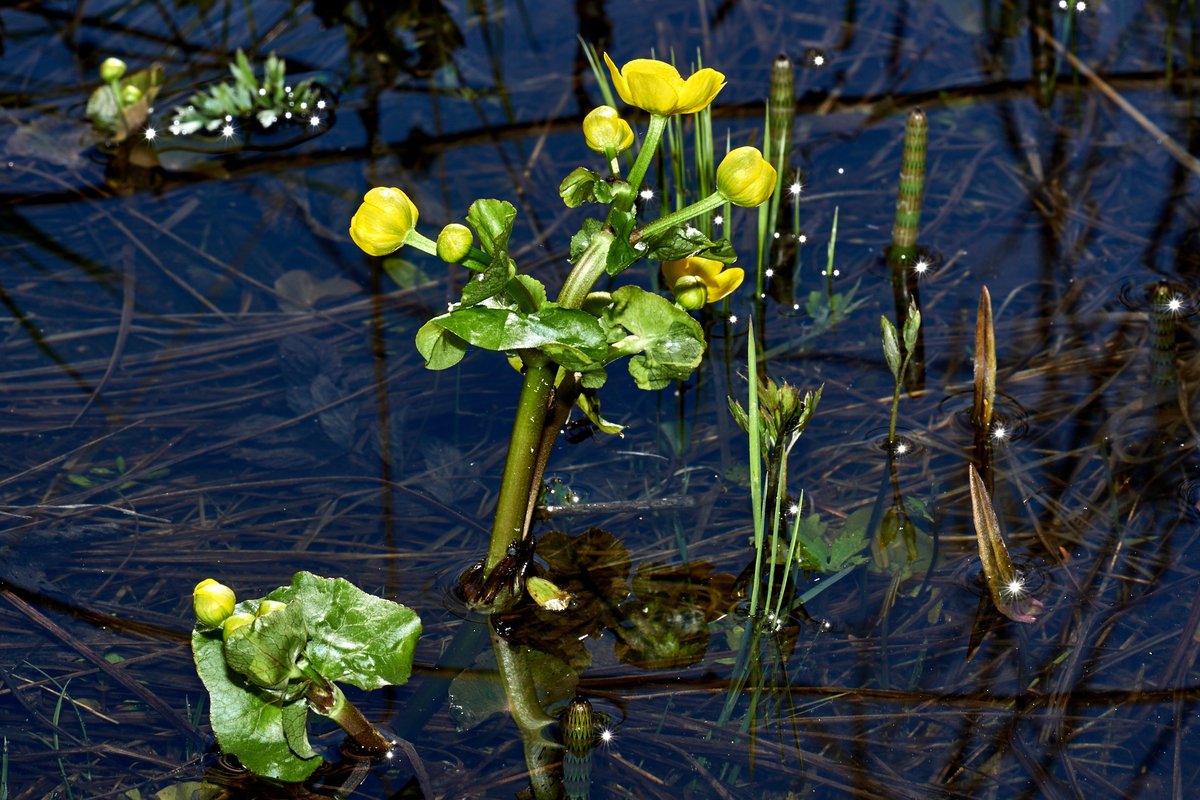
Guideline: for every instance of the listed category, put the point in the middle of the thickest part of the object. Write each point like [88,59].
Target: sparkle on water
[646,193]
[1174,305]
[999,432]
[921,267]
[1015,587]
[796,188]
[150,133]
[228,131]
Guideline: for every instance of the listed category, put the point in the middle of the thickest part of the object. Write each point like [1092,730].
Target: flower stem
[682,215]
[646,154]
[328,700]
[421,242]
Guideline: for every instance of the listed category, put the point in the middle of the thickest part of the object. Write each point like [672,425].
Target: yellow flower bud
[718,279]
[111,69]
[547,595]
[604,130]
[690,292]
[213,602]
[130,94]
[233,622]
[658,88]
[383,221]
[744,177]
[454,243]
[269,606]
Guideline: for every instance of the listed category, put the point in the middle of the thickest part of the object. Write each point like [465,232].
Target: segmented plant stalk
[985,365]
[912,189]
[1162,335]
[781,110]
[578,735]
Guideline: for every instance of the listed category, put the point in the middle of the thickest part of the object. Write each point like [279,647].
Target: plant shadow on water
[202,375]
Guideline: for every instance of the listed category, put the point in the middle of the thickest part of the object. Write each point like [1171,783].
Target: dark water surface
[200,375]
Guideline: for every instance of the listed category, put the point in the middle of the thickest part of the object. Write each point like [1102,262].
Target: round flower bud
[690,292]
[268,606]
[744,177]
[130,94]
[454,243]
[604,130]
[233,622]
[383,221]
[111,69]
[213,602]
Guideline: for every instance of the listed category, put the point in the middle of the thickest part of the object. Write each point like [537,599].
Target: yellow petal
[383,221]
[706,268]
[653,91]
[700,90]
[725,283]
[674,270]
[619,81]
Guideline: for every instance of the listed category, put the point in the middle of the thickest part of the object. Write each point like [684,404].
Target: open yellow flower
[718,279]
[744,177]
[657,87]
[383,221]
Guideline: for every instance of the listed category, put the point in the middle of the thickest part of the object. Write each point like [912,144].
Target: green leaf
[891,346]
[589,404]
[243,73]
[354,637]
[682,241]
[295,728]
[536,289]
[580,240]
[668,343]
[440,348]
[265,652]
[571,334]
[622,254]
[492,221]
[911,326]
[247,723]
[490,282]
[579,187]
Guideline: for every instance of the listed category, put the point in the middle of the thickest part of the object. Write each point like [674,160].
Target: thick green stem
[520,466]
[646,154]
[697,208]
[528,440]
[327,699]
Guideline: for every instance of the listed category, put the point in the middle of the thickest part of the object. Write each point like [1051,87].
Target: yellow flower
[383,221]
[658,88]
[744,177]
[603,129]
[213,602]
[718,279]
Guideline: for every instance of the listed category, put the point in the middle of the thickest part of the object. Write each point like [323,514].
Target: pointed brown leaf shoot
[985,363]
[1004,582]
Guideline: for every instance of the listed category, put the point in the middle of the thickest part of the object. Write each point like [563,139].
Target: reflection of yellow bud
[690,292]
[454,243]
[268,606]
[658,88]
[130,94]
[383,221]
[233,622]
[213,602]
[547,595]
[718,279]
[111,69]
[604,130]
[744,177]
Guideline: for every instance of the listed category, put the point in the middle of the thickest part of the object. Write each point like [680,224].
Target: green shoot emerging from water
[897,362]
